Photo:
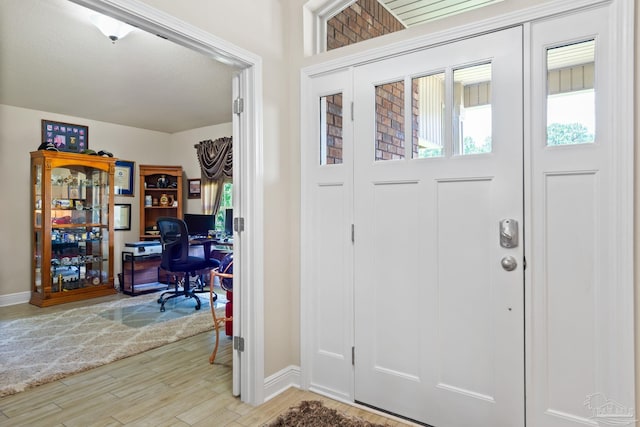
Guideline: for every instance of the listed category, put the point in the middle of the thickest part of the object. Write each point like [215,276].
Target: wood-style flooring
[173,385]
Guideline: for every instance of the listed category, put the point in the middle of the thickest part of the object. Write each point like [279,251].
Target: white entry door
[438,166]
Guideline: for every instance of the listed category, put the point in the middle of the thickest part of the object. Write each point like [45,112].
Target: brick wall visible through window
[390,121]
[363,20]
[334,129]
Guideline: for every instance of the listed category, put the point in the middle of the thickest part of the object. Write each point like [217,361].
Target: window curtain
[216,168]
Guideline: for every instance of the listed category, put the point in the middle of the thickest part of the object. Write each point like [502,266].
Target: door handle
[509,233]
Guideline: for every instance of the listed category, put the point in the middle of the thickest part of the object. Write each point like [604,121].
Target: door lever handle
[509,233]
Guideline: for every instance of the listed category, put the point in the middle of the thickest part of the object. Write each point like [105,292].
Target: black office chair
[174,237]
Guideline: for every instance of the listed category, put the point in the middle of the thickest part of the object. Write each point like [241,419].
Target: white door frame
[622,75]
[247,132]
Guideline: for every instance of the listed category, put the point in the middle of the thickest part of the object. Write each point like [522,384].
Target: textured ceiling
[53,59]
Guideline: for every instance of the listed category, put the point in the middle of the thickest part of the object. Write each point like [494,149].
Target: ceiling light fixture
[112,28]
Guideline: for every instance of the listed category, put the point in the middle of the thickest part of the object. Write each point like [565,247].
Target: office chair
[225,272]
[174,237]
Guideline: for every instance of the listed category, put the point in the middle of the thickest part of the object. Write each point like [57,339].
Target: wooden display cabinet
[161,188]
[72,219]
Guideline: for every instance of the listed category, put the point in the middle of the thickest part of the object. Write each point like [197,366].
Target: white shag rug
[48,347]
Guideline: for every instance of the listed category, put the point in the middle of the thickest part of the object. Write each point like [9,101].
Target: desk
[220,251]
[205,242]
[213,249]
[141,273]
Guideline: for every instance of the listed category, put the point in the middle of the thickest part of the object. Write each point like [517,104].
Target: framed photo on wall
[122,216]
[194,189]
[65,136]
[123,178]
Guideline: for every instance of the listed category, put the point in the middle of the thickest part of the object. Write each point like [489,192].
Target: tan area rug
[45,348]
[312,413]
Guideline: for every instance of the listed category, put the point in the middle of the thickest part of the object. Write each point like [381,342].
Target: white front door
[438,164]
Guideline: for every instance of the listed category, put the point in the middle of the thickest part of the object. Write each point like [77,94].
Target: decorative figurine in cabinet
[162,196]
[72,219]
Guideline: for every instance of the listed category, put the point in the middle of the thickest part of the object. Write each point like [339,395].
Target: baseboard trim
[281,381]
[12,299]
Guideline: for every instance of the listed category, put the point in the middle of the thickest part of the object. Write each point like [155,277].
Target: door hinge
[238,106]
[353,356]
[524,263]
[353,233]
[238,224]
[352,111]
[238,344]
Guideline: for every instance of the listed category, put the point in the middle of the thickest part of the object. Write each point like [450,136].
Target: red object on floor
[228,312]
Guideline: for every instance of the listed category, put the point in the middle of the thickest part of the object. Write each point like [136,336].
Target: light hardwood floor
[173,385]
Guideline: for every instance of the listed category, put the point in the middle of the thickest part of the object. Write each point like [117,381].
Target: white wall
[260,26]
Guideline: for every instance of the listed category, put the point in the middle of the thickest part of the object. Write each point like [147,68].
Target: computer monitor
[199,224]
[228,222]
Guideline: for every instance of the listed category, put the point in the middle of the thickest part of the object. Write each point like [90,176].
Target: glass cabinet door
[37,228]
[79,227]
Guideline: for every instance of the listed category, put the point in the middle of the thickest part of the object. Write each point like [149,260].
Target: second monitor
[199,224]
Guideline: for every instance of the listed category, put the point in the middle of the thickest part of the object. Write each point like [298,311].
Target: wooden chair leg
[217,322]
[212,358]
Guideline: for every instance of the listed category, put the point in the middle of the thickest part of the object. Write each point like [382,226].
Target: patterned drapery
[216,168]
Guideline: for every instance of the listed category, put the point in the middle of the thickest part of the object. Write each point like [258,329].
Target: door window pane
[428,114]
[472,109]
[226,202]
[571,112]
[331,129]
[390,121]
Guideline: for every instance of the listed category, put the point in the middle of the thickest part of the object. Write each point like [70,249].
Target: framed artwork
[65,136]
[123,178]
[122,216]
[194,189]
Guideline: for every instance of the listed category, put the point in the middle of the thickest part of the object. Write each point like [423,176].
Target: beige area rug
[45,348]
[312,413]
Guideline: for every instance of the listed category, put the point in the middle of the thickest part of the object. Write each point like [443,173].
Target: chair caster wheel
[162,308]
[160,300]
[198,307]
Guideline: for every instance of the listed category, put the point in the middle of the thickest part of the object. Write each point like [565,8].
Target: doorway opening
[246,131]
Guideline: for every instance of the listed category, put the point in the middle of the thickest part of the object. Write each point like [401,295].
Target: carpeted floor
[47,347]
[312,413]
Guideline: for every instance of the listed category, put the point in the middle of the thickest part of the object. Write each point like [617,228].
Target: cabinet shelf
[82,225]
[151,207]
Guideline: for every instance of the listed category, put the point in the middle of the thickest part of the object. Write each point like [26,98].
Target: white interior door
[438,164]
[237,92]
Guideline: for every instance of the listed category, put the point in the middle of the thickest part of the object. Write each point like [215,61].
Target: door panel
[439,328]
[580,370]
[327,217]
[465,310]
